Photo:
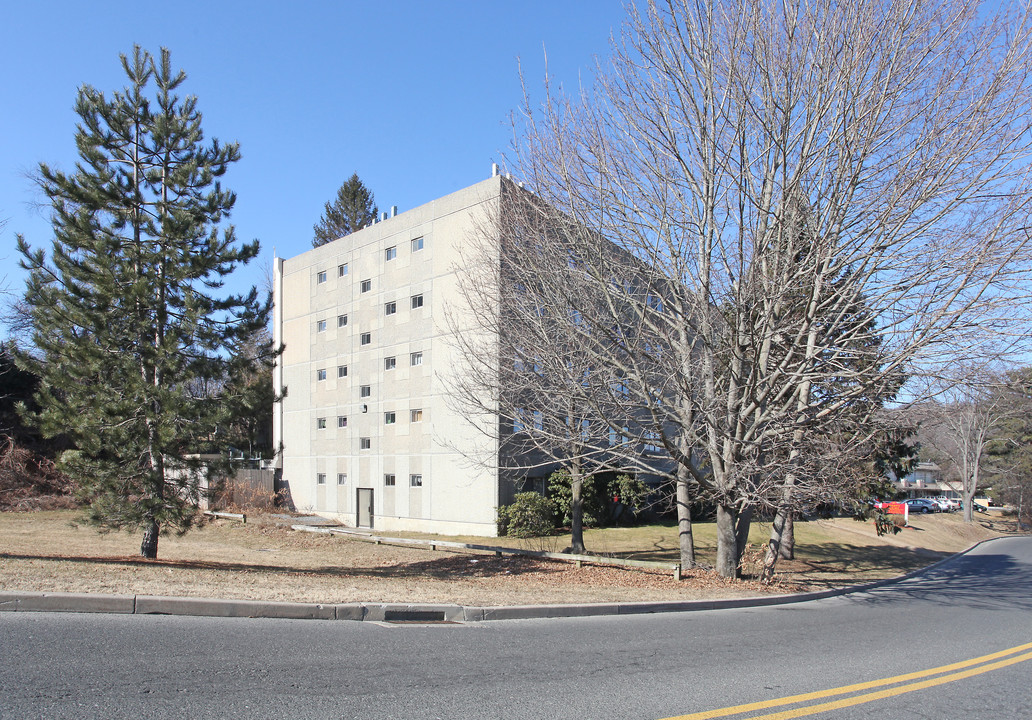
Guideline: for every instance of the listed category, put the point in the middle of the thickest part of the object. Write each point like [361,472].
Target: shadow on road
[976,580]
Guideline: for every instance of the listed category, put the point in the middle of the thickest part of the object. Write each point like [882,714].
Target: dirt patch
[267,561]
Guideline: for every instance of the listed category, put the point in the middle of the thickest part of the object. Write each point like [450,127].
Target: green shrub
[529,515]
[598,493]
[560,489]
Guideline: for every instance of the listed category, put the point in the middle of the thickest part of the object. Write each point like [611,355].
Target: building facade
[367,431]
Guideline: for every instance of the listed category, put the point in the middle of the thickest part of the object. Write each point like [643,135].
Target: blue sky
[413,96]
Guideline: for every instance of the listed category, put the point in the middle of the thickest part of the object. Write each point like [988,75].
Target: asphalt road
[651,666]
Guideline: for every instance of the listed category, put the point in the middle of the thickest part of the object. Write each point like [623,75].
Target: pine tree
[351,210]
[129,321]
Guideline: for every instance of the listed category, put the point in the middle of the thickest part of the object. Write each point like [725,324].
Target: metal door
[365,507]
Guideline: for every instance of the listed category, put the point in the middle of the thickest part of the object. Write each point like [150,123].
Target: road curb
[21,601]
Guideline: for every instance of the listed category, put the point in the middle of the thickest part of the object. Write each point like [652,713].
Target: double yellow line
[913,681]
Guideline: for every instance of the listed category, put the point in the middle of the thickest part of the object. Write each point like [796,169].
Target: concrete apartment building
[367,433]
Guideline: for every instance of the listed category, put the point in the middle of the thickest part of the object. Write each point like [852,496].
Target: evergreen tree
[129,321]
[351,210]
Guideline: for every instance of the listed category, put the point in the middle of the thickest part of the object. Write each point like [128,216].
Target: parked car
[922,505]
[953,503]
[942,503]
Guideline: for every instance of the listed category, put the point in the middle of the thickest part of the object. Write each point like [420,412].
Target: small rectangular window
[390,363]
[388,479]
[342,270]
[342,320]
[365,391]
[367,285]
[416,415]
[342,478]
[389,418]
[392,252]
[417,301]
[416,358]
[390,308]
[364,443]
[342,371]
[321,277]
[342,421]
[366,338]
[320,479]
[417,244]
[321,423]
[416,480]
[321,326]
[320,374]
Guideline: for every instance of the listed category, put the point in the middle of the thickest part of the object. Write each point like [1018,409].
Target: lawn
[265,560]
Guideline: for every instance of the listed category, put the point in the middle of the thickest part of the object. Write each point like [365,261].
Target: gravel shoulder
[265,560]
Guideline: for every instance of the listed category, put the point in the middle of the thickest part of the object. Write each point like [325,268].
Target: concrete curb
[18,601]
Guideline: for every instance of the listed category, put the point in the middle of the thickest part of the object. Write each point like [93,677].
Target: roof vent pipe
[383,215]
[394,210]
[494,169]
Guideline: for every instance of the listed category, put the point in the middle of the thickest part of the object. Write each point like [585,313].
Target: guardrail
[674,568]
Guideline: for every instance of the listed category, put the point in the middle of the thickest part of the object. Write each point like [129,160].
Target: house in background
[367,432]
[927,481]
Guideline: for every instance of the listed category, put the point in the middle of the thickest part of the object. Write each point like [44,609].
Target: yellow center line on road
[957,670]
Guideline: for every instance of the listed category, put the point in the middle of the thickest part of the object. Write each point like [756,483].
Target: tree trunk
[686,540]
[788,538]
[576,510]
[727,541]
[742,526]
[149,547]
[774,545]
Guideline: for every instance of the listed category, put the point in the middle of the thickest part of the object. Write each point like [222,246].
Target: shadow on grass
[452,567]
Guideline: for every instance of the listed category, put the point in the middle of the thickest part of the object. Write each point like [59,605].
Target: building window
[390,308]
[342,371]
[366,338]
[365,391]
[367,285]
[417,301]
[342,270]
[389,418]
[388,480]
[320,374]
[416,415]
[342,421]
[364,443]
[321,326]
[416,358]
[320,423]
[342,478]
[392,252]
[415,480]
[321,277]
[320,479]
[342,320]
[417,244]
[517,421]
[390,363]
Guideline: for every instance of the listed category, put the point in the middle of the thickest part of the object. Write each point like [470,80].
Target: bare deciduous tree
[961,424]
[798,178]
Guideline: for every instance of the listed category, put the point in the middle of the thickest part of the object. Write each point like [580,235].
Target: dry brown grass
[265,560]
